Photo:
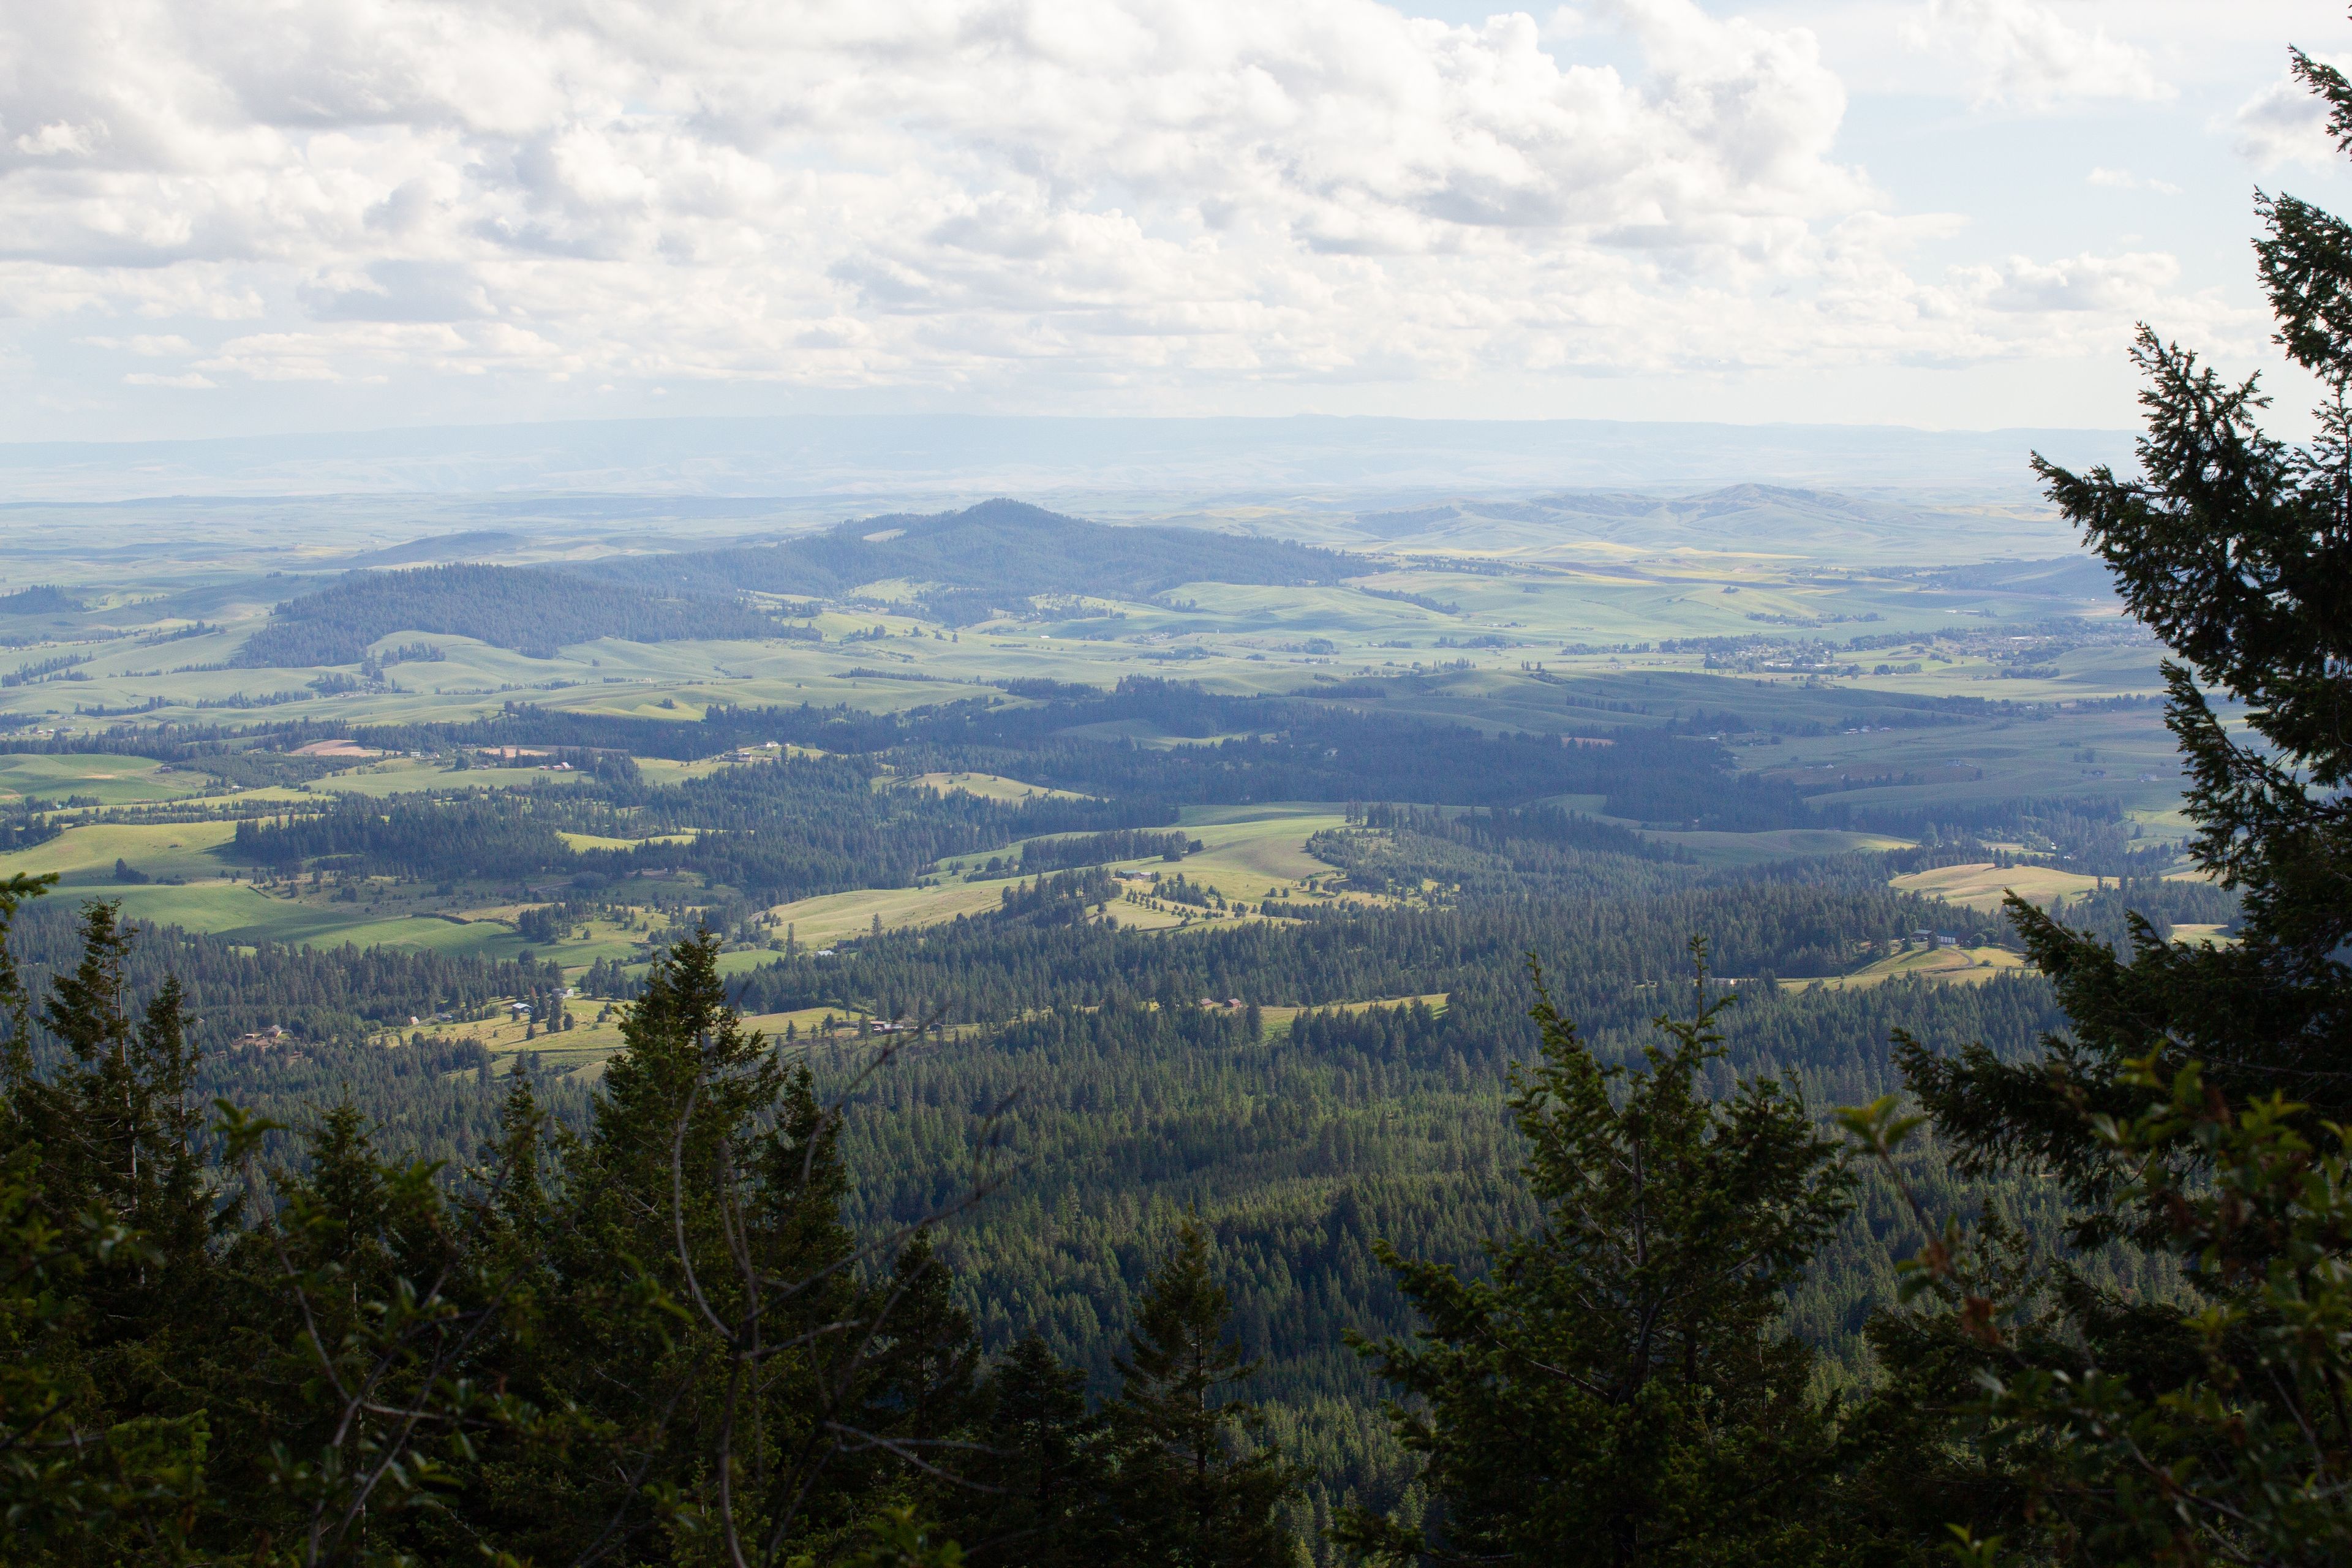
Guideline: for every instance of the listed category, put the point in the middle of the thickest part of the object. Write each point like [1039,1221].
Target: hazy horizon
[850,455]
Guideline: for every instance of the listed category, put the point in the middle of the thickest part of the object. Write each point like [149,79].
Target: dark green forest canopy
[528,609]
[1257,749]
[780,830]
[991,556]
[1607,956]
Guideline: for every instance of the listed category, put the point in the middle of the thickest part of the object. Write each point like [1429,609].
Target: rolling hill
[991,556]
[469,545]
[530,610]
[44,599]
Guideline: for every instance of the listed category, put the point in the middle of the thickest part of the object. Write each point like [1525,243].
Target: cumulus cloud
[2024,54]
[2286,123]
[1103,194]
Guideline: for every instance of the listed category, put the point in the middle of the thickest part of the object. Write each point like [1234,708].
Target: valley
[1217,861]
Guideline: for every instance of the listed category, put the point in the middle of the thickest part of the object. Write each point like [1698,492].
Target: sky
[242,216]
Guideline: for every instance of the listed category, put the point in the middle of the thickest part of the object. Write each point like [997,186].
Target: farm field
[397,775]
[84,854]
[580,843]
[821,920]
[1248,853]
[1983,886]
[242,912]
[1251,853]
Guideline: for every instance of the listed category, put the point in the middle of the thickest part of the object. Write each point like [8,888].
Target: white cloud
[56,139]
[2125,180]
[191,382]
[1093,197]
[2024,54]
[2103,284]
[2285,122]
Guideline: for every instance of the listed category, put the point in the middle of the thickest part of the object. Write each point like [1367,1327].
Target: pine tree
[119,1145]
[89,1471]
[1197,1484]
[1621,1389]
[120,1120]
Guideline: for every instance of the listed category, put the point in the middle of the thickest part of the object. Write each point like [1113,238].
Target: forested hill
[525,608]
[43,599]
[994,555]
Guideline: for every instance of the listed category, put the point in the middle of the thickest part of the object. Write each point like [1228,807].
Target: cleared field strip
[580,843]
[988,786]
[1981,885]
[1945,965]
[584,1049]
[1278,1019]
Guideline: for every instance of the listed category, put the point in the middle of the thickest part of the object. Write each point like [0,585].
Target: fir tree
[2198,1104]
[1621,1389]
[2236,550]
[1197,1483]
[1033,1480]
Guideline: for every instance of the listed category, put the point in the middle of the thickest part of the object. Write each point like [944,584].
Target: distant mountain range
[1767,520]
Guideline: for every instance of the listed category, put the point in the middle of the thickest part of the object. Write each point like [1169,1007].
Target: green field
[87,854]
[988,786]
[242,912]
[109,779]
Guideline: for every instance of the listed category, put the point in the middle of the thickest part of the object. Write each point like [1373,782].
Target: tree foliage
[1622,1387]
